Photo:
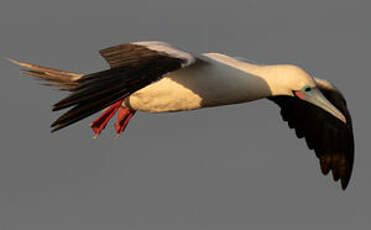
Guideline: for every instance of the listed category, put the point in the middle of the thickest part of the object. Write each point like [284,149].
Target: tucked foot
[99,124]
[123,118]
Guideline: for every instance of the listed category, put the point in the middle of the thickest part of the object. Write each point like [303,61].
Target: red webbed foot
[100,123]
[123,118]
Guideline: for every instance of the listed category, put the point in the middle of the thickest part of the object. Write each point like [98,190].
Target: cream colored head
[283,80]
[291,80]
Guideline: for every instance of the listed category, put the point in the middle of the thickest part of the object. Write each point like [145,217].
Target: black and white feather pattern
[133,66]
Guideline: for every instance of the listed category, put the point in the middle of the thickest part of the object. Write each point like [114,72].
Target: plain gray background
[232,167]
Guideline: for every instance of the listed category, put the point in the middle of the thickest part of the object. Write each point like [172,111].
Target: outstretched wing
[133,66]
[331,139]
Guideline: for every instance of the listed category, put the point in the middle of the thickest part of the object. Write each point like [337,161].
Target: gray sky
[231,167]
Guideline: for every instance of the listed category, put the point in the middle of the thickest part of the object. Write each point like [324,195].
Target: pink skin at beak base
[300,95]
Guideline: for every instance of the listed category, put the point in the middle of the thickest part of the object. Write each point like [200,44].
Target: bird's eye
[307,89]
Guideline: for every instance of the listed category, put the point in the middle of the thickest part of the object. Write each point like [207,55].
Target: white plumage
[156,77]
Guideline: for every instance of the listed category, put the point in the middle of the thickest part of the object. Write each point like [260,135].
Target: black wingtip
[53,127]
[344,185]
[57,126]
[53,131]
[345,182]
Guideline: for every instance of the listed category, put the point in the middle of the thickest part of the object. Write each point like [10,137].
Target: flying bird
[155,77]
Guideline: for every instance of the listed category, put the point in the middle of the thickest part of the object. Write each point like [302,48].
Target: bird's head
[291,80]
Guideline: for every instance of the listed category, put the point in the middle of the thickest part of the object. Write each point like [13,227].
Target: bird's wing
[243,59]
[331,139]
[133,66]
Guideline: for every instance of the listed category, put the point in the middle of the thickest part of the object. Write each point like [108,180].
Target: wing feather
[331,139]
[133,66]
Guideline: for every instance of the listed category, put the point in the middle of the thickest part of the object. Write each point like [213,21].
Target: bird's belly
[166,95]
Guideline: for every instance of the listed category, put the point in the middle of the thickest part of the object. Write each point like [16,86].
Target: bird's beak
[318,99]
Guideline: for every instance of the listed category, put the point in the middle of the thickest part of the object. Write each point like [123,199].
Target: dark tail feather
[93,92]
[86,109]
[90,93]
[97,91]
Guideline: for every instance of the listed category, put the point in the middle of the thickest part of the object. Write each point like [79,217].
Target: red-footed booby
[156,77]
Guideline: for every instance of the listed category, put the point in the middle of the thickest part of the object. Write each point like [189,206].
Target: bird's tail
[70,81]
[50,77]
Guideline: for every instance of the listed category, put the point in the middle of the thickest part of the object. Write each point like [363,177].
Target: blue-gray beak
[318,99]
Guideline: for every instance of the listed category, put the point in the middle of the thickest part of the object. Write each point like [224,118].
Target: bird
[156,77]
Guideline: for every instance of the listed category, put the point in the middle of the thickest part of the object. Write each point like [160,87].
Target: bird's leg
[100,123]
[123,118]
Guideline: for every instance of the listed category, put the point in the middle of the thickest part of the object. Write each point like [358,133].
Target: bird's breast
[165,95]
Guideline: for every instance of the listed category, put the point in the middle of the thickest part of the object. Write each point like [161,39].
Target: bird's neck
[272,75]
